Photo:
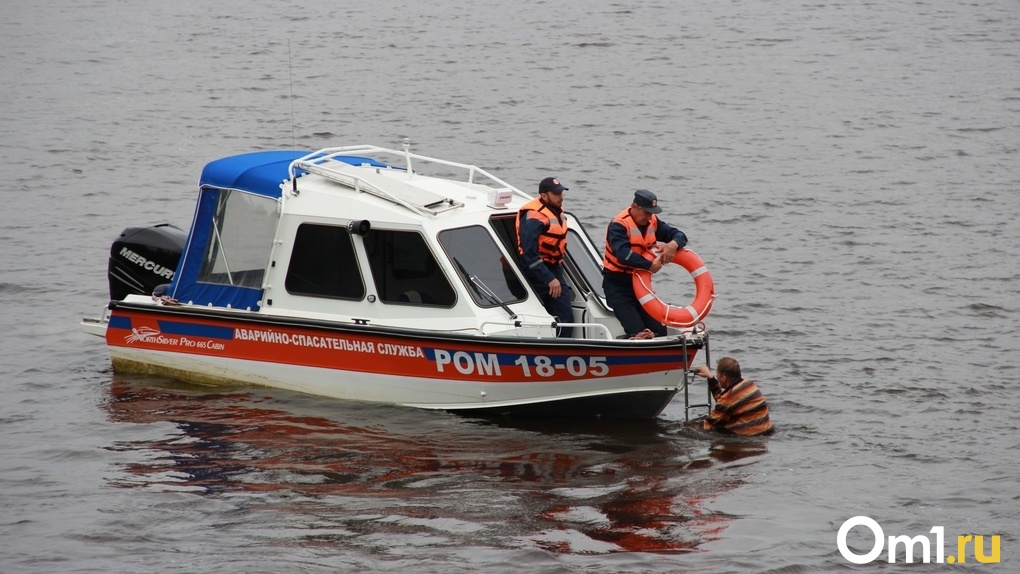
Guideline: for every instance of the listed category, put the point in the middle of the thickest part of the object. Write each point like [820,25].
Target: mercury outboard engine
[143,258]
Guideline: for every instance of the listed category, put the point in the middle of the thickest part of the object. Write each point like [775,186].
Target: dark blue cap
[647,201]
[551,185]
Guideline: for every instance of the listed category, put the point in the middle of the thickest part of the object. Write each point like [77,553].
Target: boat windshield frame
[492,267]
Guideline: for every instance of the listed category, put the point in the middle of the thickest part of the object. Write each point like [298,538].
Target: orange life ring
[704,293]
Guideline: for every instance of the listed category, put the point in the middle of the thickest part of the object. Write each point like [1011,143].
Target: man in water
[740,408]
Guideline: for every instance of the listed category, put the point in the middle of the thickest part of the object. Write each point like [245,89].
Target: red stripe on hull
[383,353]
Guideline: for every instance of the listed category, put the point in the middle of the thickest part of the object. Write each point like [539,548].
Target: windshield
[579,254]
[474,254]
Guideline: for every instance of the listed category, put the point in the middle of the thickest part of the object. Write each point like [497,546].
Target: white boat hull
[354,362]
[371,387]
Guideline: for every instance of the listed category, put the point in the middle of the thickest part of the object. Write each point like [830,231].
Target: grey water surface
[848,171]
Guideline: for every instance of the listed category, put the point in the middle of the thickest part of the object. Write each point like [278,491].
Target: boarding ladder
[689,377]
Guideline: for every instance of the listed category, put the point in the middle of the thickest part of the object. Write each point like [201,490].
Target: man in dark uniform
[629,241]
[542,243]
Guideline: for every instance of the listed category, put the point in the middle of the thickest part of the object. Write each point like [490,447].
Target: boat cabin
[374,236]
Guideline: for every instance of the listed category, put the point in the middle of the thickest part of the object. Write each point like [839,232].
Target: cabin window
[580,258]
[240,240]
[585,261]
[482,266]
[323,264]
[405,270]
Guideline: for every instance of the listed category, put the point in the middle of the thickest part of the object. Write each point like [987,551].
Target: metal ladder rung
[688,377]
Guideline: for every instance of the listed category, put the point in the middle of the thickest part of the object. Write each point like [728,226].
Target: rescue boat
[370,274]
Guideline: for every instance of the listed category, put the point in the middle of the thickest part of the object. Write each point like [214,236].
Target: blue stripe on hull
[193,330]
[120,322]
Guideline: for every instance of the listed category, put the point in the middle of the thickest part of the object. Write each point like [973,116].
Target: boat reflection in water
[355,475]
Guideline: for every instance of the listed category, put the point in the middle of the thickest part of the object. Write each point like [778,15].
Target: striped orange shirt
[740,409]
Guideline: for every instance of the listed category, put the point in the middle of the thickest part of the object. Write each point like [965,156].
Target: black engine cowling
[143,258]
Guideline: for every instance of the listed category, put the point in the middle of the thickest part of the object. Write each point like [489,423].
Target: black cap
[647,201]
[551,185]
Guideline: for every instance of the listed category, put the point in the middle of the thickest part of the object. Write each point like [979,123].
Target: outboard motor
[143,258]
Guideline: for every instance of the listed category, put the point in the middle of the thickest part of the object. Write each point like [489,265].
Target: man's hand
[668,252]
[656,265]
[703,371]
[555,288]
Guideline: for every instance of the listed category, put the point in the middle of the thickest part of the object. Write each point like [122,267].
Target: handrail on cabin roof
[329,154]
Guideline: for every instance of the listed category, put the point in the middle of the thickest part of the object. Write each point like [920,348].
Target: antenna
[407,156]
[290,74]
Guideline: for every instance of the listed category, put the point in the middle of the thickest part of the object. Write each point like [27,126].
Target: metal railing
[518,324]
[318,163]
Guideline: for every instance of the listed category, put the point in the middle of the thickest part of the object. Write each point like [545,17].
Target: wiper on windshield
[482,289]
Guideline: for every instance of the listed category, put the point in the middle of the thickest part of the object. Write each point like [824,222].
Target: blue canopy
[262,172]
[258,173]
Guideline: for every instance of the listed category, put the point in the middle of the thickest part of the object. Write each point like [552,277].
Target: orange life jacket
[553,241]
[640,244]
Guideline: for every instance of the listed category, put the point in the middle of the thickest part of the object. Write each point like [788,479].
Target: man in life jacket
[740,408]
[629,241]
[542,242]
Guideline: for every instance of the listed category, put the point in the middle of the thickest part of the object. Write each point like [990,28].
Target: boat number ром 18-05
[464,362]
[532,366]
